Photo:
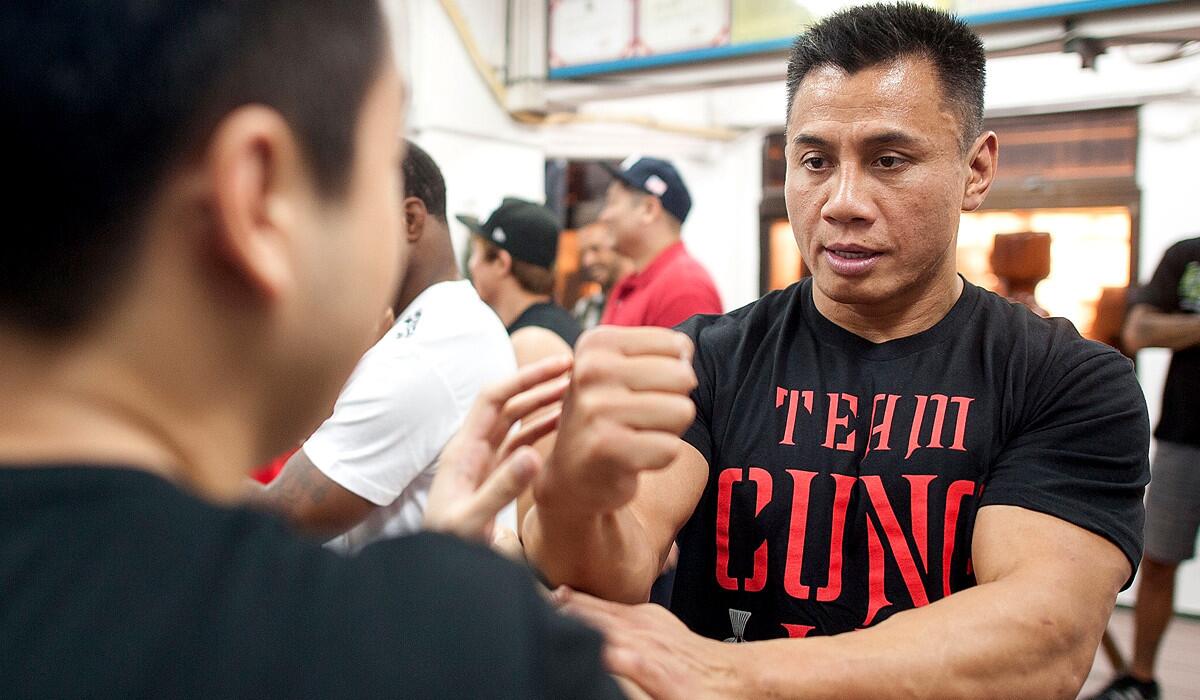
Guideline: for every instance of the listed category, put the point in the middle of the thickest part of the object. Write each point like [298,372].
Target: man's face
[598,255]
[875,181]
[357,251]
[623,214]
[484,273]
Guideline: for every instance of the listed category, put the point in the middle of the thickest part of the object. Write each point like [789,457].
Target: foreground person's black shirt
[115,584]
[845,476]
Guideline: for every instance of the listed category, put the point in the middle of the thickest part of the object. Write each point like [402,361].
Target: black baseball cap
[528,231]
[659,178]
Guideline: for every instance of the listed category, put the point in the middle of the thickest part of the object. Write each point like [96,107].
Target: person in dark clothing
[1165,313]
[222,241]
[897,484]
[512,266]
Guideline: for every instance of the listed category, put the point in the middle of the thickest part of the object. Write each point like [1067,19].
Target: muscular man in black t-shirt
[1166,313]
[896,484]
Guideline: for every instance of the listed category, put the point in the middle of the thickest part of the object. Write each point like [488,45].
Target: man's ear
[983,160]
[650,207]
[261,191]
[415,214]
[504,260]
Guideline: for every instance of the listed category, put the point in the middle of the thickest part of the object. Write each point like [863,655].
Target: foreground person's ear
[259,185]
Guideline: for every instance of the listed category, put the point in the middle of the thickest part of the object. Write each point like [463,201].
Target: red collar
[635,280]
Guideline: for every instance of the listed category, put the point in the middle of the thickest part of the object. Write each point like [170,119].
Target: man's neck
[417,280]
[652,247]
[72,408]
[898,318]
[619,272]
[514,302]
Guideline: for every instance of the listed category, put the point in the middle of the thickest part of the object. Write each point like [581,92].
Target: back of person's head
[105,100]
[871,35]
[423,180]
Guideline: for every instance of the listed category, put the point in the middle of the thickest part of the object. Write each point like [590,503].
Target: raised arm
[619,482]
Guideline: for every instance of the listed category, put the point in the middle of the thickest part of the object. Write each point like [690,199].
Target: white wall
[484,155]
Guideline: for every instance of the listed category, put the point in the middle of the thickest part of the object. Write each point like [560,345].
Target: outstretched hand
[648,646]
[483,468]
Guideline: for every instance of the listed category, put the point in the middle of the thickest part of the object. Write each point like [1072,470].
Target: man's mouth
[850,260]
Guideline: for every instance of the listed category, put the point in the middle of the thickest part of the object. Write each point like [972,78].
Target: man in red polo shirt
[645,208]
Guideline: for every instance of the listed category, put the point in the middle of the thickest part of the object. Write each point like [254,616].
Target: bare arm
[1029,629]
[532,344]
[605,513]
[311,501]
[1147,327]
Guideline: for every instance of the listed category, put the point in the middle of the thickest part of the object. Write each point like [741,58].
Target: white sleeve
[388,426]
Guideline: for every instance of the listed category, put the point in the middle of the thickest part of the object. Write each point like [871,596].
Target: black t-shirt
[845,476]
[1175,289]
[550,316]
[114,583]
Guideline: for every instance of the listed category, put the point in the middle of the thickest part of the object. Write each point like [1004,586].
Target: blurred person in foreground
[1166,314]
[365,473]
[897,484]
[599,262]
[645,208]
[222,241]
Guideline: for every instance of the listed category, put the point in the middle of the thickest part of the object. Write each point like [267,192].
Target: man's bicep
[312,501]
[534,343]
[1074,572]
[666,499]
[1009,539]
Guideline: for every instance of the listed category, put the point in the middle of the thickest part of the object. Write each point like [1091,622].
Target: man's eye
[814,163]
[888,162]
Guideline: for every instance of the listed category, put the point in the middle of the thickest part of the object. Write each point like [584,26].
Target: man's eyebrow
[803,139]
[890,137]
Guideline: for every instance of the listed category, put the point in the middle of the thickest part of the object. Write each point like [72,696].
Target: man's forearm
[996,640]
[1155,329]
[605,555]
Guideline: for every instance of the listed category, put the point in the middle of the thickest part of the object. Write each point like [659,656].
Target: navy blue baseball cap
[659,178]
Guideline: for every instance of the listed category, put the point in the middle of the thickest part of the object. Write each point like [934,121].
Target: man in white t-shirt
[365,473]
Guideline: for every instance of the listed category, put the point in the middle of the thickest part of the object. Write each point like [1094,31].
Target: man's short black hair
[423,180]
[870,35]
[102,99]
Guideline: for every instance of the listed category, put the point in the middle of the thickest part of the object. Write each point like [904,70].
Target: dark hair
[869,35]
[102,99]
[532,278]
[423,180]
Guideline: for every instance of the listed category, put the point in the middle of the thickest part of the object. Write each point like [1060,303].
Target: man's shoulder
[759,318]
[1188,248]
[452,329]
[1047,348]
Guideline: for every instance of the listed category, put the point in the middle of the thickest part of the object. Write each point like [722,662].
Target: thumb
[501,487]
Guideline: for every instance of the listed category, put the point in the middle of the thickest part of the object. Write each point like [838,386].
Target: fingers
[519,407]
[637,341]
[498,490]
[480,421]
[531,431]
[642,411]
[641,373]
